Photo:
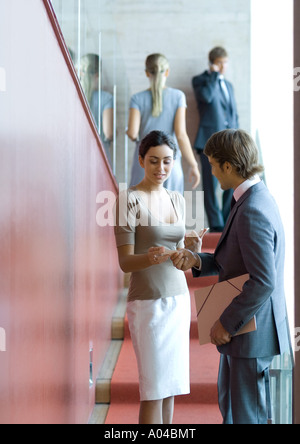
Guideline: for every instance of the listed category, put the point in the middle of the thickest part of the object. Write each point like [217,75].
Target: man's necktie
[224,88]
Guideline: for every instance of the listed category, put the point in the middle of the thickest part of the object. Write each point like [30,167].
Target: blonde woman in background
[164,109]
[89,77]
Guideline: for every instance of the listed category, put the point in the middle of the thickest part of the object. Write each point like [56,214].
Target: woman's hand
[194,176]
[133,263]
[156,256]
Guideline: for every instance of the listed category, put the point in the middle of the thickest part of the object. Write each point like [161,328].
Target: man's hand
[185,259]
[219,336]
[214,68]
[193,241]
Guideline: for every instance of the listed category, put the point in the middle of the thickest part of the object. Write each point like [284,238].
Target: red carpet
[201,406]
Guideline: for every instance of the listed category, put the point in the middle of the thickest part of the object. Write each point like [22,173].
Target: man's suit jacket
[216,114]
[253,242]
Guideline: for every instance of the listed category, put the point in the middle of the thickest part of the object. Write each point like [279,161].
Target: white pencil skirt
[160,333]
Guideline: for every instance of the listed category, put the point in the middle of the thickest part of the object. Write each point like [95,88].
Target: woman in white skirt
[150,225]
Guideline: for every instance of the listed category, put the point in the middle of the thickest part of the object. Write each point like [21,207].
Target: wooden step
[117,327]
[103,380]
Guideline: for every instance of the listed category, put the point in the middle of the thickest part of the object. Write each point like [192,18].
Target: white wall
[272,111]
[184,30]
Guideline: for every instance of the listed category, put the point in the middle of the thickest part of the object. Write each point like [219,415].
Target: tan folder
[211,302]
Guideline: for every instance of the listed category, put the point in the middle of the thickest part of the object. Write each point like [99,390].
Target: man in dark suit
[218,111]
[253,243]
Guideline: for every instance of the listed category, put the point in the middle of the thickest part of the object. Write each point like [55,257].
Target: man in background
[218,111]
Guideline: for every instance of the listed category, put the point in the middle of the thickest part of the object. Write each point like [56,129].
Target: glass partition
[89,31]
[281,381]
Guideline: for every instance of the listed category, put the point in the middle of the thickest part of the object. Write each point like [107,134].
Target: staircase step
[201,403]
[117,327]
[201,393]
[103,380]
[183,414]
[99,414]
[210,241]
[125,387]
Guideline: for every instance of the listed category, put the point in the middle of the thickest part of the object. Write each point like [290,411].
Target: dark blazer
[216,114]
[253,242]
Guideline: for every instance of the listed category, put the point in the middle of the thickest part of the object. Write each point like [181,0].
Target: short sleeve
[107,100]
[134,102]
[182,103]
[126,214]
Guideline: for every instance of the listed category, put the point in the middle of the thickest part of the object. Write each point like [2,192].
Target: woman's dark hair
[156,138]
